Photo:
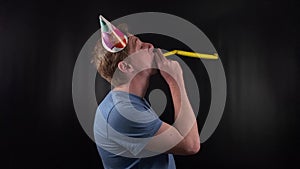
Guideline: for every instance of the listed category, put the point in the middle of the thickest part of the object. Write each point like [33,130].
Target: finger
[162,57]
[157,56]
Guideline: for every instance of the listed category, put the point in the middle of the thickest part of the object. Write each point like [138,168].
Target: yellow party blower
[192,54]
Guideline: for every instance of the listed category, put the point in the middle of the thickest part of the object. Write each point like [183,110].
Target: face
[141,54]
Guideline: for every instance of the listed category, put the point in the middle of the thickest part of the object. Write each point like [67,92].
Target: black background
[258,42]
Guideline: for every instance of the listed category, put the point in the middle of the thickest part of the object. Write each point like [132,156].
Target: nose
[147,46]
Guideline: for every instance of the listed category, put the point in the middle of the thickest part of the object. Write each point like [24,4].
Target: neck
[137,86]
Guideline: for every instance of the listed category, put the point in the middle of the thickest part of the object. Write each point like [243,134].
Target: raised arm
[182,137]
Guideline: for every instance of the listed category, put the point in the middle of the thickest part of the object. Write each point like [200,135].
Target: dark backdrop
[258,42]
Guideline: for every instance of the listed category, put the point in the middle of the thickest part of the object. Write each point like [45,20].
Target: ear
[125,67]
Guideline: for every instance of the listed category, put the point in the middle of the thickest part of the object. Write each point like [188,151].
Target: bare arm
[183,137]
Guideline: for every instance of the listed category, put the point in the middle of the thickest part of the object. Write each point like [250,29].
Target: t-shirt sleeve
[132,125]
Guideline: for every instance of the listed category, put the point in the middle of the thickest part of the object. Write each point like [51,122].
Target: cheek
[145,58]
[142,59]
[149,59]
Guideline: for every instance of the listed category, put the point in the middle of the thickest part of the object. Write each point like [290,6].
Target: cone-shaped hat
[113,40]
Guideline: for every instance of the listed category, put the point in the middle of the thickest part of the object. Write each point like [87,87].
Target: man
[127,131]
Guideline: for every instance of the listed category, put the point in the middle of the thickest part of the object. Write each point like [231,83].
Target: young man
[127,131]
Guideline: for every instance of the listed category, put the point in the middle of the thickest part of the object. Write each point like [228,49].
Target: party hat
[113,40]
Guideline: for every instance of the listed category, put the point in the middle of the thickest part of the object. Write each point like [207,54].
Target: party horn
[192,54]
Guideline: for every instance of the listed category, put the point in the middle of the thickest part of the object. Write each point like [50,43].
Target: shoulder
[132,112]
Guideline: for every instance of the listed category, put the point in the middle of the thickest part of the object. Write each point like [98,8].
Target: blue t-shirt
[124,124]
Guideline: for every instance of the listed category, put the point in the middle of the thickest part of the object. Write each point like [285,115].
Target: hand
[169,69]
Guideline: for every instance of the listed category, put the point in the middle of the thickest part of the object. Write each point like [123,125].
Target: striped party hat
[113,40]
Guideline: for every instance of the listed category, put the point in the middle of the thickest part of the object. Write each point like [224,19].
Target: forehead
[132,37]
[133,44]
[133,41]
